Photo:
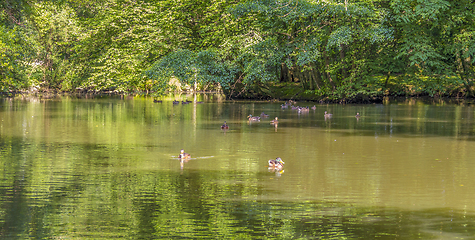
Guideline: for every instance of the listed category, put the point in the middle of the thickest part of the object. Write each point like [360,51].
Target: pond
[104,167]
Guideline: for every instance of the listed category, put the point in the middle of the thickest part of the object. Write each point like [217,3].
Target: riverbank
[374,89]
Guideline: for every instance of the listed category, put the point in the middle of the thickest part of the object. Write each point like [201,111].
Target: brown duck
[251,118]
[277,163]
[184,156]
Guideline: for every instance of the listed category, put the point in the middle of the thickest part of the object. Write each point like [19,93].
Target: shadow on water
[230,213]
[203,204]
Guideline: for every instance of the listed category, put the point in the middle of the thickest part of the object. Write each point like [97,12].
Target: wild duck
[275,121]
[357,115]
[176,102]
[277,163]
[327,115]
[183,155]
[251,118]
[264,115]
[313,108]
[157,101]
[224,126]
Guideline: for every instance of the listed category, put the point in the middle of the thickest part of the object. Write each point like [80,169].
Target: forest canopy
[332,49]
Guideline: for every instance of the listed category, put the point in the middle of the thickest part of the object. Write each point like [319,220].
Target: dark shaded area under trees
[329,51]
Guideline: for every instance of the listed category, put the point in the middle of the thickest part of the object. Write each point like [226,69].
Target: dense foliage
[335,49]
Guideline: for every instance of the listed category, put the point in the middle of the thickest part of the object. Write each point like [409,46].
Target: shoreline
[356,100]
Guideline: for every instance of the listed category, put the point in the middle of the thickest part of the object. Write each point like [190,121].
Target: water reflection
[107,167]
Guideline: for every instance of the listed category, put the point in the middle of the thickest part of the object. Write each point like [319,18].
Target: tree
[12,62]
[321,45]
[15,51]
[56,31]
[189,67]
[437,37]
[198,41]
[121,41]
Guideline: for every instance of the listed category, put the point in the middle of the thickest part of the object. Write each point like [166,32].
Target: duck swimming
[264,115]
[357,115]
[327,115]
[224,126]
[277,163]
[275,121]
[184,156]
[251,118]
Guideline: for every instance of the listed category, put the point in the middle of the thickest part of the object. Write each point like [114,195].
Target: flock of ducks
[175,102]
[273,165]
[184,102]
[258,119]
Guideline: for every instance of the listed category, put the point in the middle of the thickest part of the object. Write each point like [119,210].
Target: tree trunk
[327,66]
[298,75]
[468,75]
[317,77]
[310,79]
[344,70]
[464,73]
[284,73]
[291,74]
[387,80]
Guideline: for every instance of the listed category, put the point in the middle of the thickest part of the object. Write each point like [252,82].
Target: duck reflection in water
[184,157]
[327,115]
[277,172]
[275,122]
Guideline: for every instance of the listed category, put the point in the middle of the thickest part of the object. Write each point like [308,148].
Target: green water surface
[107,167]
